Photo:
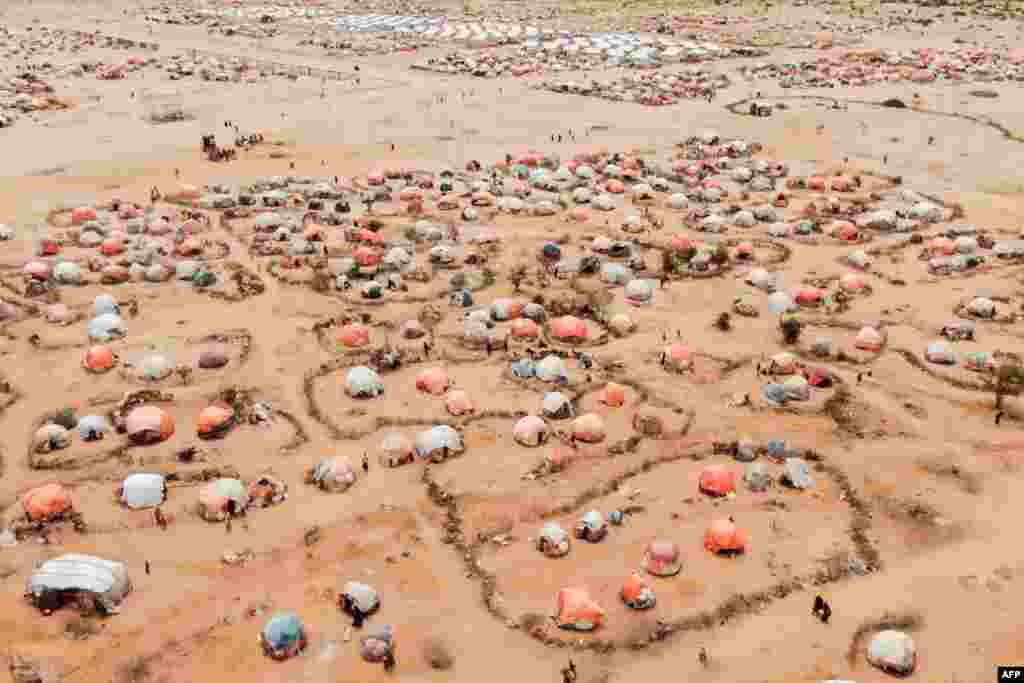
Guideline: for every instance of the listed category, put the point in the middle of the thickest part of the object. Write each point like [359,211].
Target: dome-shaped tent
[218,497]
[149,424]
[143,490]
[578,611]
[363,382]
[588,428]
[396,450]
[893,652]
[551,368]
[107,327]
[592,527]
[717,480]
[506,309]
[361,596]
[678,356]
[869,339]
[568,327]
[93,427]
[47,502]
[940,352]
[524,328]
[636,593]
[557,406]
[639,292]
[354,335]
[439,442]
[98,359]
[553,541]
[615,273]
[614,395]
[661,558]
[723,536]
[530,431]
[334,474]
[215,421]
[459,403]
[433,381]
[283,636]
[105,581]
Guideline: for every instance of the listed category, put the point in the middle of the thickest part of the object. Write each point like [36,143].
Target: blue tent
[283,636]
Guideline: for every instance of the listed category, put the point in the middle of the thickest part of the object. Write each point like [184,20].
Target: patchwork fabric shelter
[661,558]
[551,368]
[592,527]
[723,536]
[636,593]
[362,596]
[433,381]
[578,611]
[717,480]
[569,328]
[334,474]
[557,406]
[219,496]
[283,636]
[354,335]
[149,424]
[396,450]
[530,431]
[363,382]
[437,443]
[459,403]
[106,582]
[553,540]
[47,502]
[215,420]
[588,428]
[869,339]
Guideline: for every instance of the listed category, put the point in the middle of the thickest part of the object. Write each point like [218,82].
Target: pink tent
[816,183]
[724,536]
[149,424]
[82,214]
[458,403]
[808,295]
[433,381]
[375,177]
[845,230]
[524,328]
[354,335]
[588,428]
[38,270]
[942,246]
[679,355]
[614,395]
[869,339]
[568,327]
[661,558]
[851,283]
[615,187]
[744,250]
[530,431]
[680,242]
[366,256]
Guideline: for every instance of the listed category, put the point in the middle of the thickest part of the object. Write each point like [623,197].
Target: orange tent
[723,536]
[577,610]
[366,256]
[190,246]
[744,250]
[816,183]
[215,420]
[354,335]
[680,242]
[588,428]
[98,359]
[614,395]
[433,381]
[111,247]
[46,502]
[636,593]
[717,480]
[615,187]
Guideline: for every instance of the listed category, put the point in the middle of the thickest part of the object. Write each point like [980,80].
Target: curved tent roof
[556,405]
[143,490]
[578,611]
[72,572]
[284,634]
[365,597]
[661,558]
[434,439]
[46,501]
[334,474]
[551,368]
[363,381]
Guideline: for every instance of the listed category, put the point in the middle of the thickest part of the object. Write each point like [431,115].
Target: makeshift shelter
[377,645]
[523,368]
[893,652]
[283,636]
[334,474]
[354,335]
[433,381]
[222,497]
[869,339]
[717,480]
[50,437]
[98,359]
[92,427]
[569,328]
[267,490]
[553,540]
[438,443]
[941,353]
[530,431]
[396,450]
[592,527]
[107,327]
[723,536]
[578,611]
[551,368]
[639,292]
[678,356]
[77,578]
[143,490]
[589,428]
[636,593]
[459,403]
[781,302]
[557,406]
[661,558]
[981,307]
[615,273]
[149,424]
[524,328]
[979,361]
[215,421]
[506,309]
[614,395]
[47,502]
[363,382]
[361,596]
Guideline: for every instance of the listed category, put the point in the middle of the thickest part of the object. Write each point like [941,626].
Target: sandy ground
[911,474]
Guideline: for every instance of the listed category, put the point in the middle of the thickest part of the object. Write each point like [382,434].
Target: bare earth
[913,515]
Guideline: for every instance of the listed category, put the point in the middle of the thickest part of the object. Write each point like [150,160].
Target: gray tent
[143,490]
[105,581]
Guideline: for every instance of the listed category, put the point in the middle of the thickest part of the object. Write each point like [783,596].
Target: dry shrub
[438,653]
[81,628]
[531,620]
[135,671]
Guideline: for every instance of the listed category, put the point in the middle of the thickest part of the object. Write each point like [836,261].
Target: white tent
[143,490]
[107,580]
